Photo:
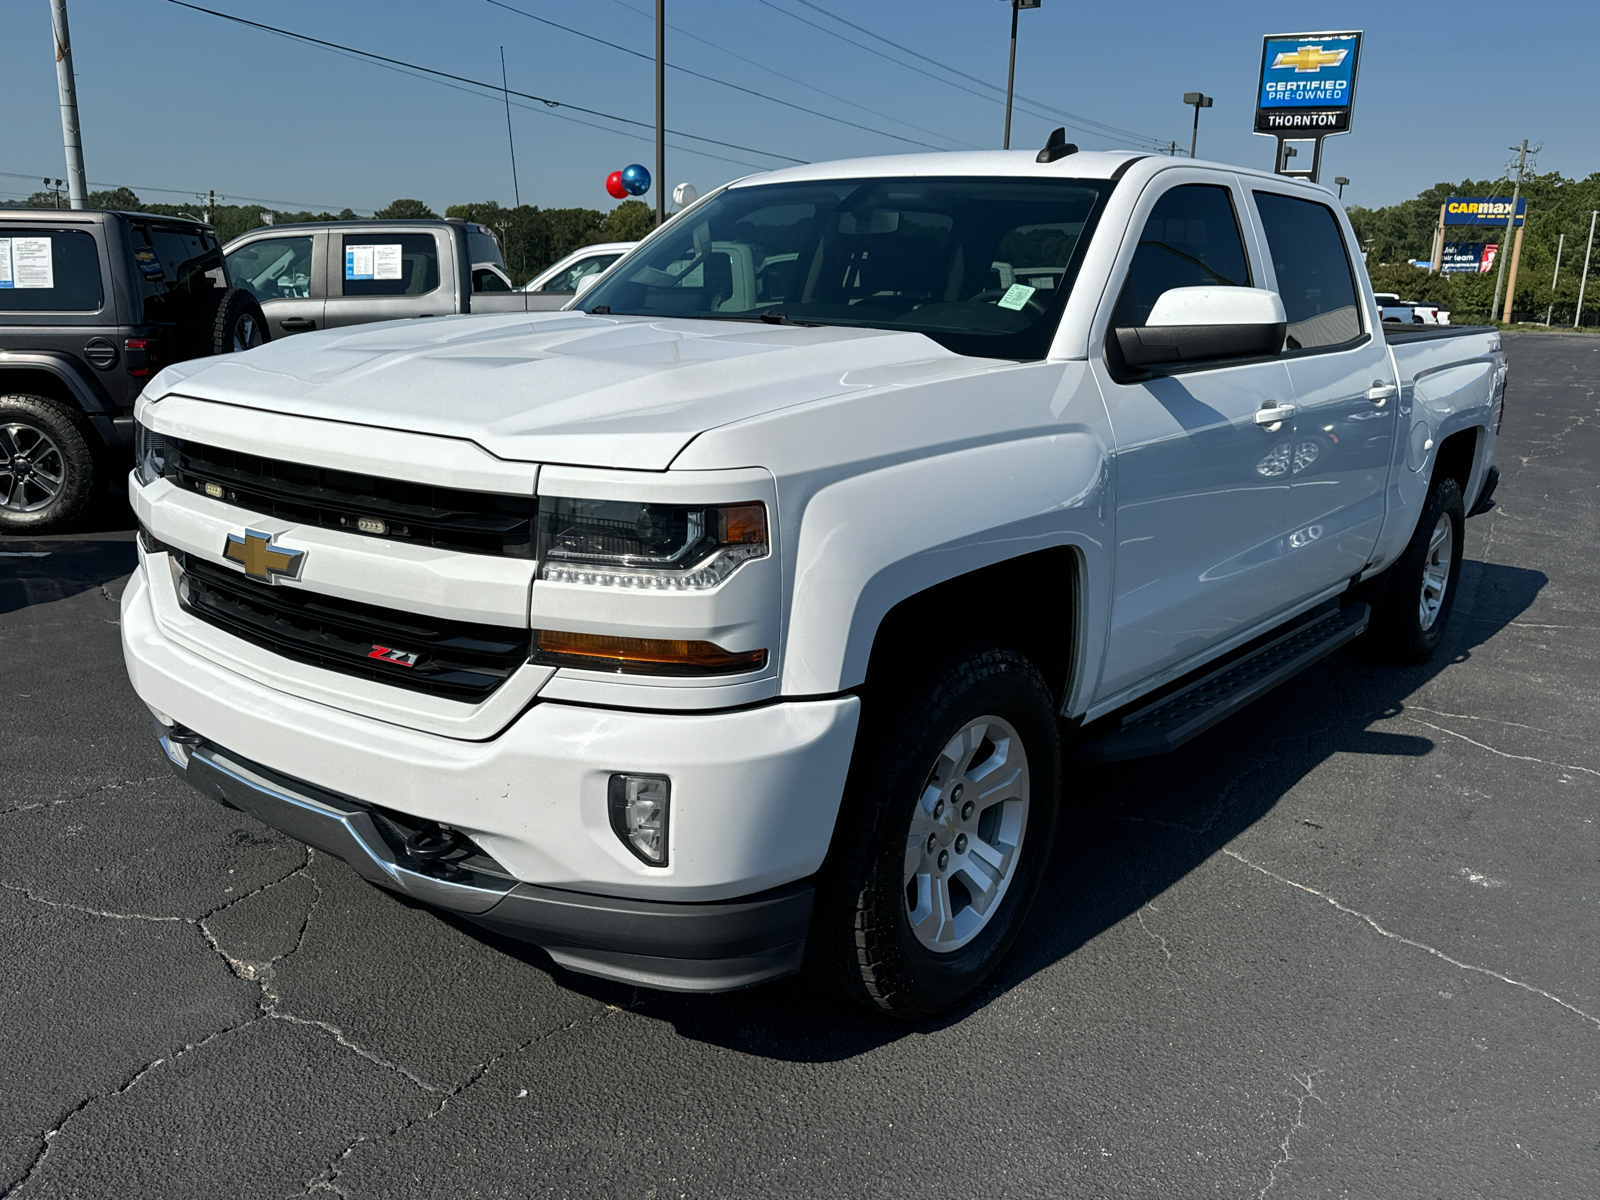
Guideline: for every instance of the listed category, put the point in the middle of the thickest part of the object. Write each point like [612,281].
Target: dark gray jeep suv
[91,305]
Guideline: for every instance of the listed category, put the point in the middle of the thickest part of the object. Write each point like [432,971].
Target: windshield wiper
[774,317]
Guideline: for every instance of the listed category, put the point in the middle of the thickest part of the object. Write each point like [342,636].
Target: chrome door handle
[1380,392]
[1271,414]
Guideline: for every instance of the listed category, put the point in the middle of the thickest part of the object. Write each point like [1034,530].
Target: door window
[276,268]
[176,270]
[389,264]
[49,270]
[567,280]
[1314,275]
[1191,239]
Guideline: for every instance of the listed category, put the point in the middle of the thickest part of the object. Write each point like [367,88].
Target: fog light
[214,490]
[371,525]
[639,805]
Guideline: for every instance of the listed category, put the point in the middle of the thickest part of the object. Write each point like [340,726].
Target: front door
[281,271]
[1200,507]
[1345,396]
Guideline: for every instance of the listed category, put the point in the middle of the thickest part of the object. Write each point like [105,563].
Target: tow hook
[432,843]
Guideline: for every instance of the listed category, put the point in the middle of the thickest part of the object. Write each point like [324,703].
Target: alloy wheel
[32,468]
[966,834]
[1436,571]
[246,333]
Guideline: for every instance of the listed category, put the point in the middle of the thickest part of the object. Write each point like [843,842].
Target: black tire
[1399,632]
[47,470]
[862,944]
[238,323]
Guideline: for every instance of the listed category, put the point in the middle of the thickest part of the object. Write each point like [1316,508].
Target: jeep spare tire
[239,323]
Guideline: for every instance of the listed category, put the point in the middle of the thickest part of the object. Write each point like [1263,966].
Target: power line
[546,101]
[196,192]
[712,78]
[1113,129]
[679,29]
[1135,140]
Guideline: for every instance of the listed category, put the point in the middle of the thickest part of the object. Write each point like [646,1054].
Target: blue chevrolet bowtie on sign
[1308,82]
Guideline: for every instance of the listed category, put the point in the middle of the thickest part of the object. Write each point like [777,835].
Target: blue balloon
[636,179]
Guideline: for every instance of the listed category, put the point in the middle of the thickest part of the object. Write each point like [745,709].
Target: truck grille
[451,519]
[445,658]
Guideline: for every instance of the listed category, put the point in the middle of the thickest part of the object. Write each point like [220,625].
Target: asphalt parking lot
[1346,945]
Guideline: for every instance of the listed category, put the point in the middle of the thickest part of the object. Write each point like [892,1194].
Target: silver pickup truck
[327,274]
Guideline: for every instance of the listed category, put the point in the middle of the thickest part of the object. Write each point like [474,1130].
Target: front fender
[870,541]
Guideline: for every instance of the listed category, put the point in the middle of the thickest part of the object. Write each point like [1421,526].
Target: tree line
[1557,205]
[531,238]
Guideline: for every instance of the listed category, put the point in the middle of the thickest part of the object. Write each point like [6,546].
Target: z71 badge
[404,658]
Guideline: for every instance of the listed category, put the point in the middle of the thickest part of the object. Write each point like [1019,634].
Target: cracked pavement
[1343,945]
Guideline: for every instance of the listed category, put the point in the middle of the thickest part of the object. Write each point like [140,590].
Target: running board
[1171,721]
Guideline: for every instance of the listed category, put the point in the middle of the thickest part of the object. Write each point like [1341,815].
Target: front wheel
[1409,621]
[946,828]
[46,465]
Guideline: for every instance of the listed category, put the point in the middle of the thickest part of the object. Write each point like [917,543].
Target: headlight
[152,455]
[667,547]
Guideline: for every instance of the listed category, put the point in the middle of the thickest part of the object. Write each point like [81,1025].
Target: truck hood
[560,387]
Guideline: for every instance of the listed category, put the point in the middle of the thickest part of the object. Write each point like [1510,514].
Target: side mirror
[1196,324]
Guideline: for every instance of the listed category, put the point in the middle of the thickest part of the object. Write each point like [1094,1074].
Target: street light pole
[1341,181]
[1551,311]
[77,187]
[1011,70]
[1199,101]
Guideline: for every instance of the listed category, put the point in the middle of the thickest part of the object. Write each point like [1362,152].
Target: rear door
[284,271]
[1346,401]
[390,274]
[1200,507]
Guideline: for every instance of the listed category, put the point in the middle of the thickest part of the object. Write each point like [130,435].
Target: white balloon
[684,195]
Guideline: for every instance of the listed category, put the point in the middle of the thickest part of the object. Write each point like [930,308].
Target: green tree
[405,210]
[628,222]
[118,199]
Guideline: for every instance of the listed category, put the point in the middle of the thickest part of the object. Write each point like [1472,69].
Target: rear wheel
[942,842]
[1409,622]
[239,323]
[46,466]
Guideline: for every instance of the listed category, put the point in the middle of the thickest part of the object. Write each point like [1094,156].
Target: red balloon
[615,186]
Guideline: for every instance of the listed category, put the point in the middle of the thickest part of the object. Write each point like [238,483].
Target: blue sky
[175,99]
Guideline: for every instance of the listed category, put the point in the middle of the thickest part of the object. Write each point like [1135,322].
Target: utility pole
[505,90]
[1550,312]
[1500,275]
[661,112]
[1589,249]
[211,206]
[77,187]
[1199,101]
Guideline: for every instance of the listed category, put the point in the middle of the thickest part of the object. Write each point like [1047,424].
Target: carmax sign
[1493,210]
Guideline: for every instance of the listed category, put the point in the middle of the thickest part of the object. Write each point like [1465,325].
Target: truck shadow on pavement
[1132,831]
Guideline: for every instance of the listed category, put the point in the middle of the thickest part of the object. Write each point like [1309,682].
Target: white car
[561,279]
[1409,312]
[754,611]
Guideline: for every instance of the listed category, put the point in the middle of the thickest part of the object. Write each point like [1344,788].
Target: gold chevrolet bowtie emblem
[262,560]
[1310,58]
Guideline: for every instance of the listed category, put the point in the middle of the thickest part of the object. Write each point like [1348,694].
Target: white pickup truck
[751,614]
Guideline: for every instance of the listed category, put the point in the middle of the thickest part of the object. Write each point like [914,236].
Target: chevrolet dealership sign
[1308,83]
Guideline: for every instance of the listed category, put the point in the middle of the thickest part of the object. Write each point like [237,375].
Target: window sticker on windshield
[1016,296]
[372,262]
[25,262]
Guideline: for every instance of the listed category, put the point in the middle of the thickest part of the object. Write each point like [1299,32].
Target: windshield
[982,266]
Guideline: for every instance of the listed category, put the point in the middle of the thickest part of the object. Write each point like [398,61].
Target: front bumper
[755,795]
[679,947]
